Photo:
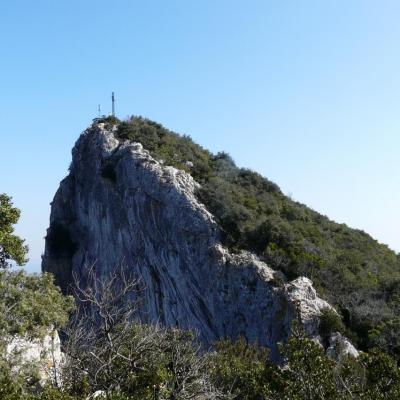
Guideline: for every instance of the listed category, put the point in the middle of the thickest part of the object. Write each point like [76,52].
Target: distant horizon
[305,94]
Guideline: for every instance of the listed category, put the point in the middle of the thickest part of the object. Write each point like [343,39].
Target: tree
[31,304]
[12,247]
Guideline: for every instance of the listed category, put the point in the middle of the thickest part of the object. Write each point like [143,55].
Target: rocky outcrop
[119,205]
[340,347]
[44,355]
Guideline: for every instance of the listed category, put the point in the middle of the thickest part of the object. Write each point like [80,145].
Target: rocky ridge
[120,205]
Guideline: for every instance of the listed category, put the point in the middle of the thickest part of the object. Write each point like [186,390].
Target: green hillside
[349,268]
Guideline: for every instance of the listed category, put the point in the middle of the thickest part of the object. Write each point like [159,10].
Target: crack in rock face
[120,205]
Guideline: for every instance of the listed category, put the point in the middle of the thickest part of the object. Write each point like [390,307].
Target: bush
[329,322]
[242,371]
[382,376]
[239,369]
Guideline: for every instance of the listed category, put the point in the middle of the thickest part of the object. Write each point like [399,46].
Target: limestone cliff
[118,204]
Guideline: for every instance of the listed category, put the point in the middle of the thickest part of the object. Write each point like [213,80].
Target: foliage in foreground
[31,306]
[168,366]
[348,267]
[108,351]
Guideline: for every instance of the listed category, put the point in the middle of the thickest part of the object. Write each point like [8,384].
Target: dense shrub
[169,367]
[240,370]
[243,371]
[329,322]
[382,379]
[386,336]
[30,304]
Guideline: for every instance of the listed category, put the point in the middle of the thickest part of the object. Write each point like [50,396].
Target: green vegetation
[36,304]
[145,362]
[242,370]
[169,367]
[329,323]
[164,145]
[31,306]
[12,247]
[349,268]
[125,360]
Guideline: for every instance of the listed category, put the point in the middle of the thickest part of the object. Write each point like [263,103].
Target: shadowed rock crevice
[59,240]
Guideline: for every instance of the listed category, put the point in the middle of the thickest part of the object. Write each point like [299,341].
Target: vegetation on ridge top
[360,276]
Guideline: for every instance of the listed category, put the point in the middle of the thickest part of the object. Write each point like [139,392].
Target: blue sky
[306,93]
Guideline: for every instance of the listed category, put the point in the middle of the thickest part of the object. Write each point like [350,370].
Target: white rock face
[340,346]
[45,354]
[308,305]
[118,204]
[99,394]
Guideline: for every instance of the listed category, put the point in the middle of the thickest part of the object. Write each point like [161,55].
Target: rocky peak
[120,205]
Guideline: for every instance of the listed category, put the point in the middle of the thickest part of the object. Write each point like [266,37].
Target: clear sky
[305,92]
